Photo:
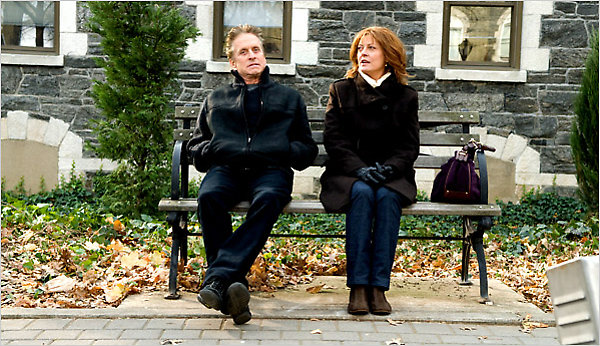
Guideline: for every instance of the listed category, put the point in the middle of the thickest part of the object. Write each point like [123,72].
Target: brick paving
[220,331]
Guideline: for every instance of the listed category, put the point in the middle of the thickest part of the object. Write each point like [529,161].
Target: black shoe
[212,294]
[238,298]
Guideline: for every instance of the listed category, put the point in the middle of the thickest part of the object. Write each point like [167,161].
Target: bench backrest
[429,121]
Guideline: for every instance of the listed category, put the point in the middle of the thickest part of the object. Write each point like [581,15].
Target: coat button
[384,107]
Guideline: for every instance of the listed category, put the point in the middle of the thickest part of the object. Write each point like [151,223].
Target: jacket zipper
[243,100]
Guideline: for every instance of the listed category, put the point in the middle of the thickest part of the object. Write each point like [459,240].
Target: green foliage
[584,133]
[536,207]
[143,43]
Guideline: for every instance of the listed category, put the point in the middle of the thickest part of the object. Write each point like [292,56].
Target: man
[248,137]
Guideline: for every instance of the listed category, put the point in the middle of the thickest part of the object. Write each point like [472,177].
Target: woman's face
[370,56]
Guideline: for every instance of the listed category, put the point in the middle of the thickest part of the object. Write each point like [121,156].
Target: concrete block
[528,162]
[535,59]
[515,145]
[17,124]
[574,290]
[56,131]
[71,147]
[497,142]
[305,53]
[300,24]
[4,128]
[73,43]
[36,130]
[427,55]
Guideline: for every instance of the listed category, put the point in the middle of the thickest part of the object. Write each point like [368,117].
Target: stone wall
[538,112]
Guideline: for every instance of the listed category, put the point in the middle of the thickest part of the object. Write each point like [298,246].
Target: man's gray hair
[238,30]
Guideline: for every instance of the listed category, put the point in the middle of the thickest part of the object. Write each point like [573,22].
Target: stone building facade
[526,114]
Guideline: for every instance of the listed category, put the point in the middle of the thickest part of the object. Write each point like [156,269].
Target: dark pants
[230,254]
[372,224]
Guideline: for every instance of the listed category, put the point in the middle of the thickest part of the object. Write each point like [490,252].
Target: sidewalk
[425,312]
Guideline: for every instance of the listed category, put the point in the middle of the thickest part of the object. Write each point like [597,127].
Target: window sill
[33,59]
[274,69]
[517,76]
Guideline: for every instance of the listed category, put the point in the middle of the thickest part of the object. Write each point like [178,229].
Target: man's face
[248,57]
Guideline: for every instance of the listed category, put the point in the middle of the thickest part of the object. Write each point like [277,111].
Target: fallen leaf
[114,294]
[316,331]
[394,323]
[396,341]
[60,284]
[315,289]
[483,337]
[131,260]
[88,245]
[468,328]
[171,341]
[118,226]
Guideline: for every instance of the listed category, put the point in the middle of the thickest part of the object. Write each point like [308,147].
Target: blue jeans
[230,254]
[372,224]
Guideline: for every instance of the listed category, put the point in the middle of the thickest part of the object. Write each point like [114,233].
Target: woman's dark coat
[365,125]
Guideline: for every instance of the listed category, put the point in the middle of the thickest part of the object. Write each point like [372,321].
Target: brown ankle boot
[358,304]
[378,304]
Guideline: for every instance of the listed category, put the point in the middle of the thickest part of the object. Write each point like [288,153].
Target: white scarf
[371,81]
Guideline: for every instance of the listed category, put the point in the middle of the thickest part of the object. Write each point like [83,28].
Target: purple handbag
[457,182]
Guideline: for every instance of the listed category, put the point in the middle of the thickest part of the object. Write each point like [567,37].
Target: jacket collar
[265,78]
[368,94]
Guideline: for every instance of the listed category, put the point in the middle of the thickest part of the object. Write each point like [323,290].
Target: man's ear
[232,64]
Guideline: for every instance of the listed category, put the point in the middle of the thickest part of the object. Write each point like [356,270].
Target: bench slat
[427,138]
[315,207]
[426,117]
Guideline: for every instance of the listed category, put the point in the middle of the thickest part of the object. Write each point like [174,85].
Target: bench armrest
[483,176]
[179,171]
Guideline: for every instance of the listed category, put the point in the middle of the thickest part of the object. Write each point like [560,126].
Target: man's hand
[370,175]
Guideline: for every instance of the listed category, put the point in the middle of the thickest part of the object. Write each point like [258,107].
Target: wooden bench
[456,133]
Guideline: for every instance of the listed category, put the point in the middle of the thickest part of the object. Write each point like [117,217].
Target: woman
[372,139]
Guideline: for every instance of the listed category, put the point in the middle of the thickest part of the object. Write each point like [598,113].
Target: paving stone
[114,342]
[59,334]
[28,342]
[221,334]
[100,334]
[280,325]
[432,328]
[279,342]
[91,323]
[141,334]
[14,324]
[203,324]
[539,340]
[189,334]
[357,326]
[386,327]
[72,342]
[261,335]
[460,339]
[380,336]
[127,323]
[165,323]
[322,325]
[341,336]
[49,323]
[20,334]
[299,335]
[251,325]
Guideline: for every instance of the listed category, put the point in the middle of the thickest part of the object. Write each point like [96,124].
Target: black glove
[388,171]
[197,154]
[370,175]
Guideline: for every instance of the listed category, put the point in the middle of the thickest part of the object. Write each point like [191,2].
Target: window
[273,17]
[482,34]
[30,27]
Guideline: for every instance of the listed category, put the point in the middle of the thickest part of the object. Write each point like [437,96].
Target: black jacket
[283,137]
[365,125]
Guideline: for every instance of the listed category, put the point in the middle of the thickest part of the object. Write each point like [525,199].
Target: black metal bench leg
[177,235]
[466,252]
[483,279]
